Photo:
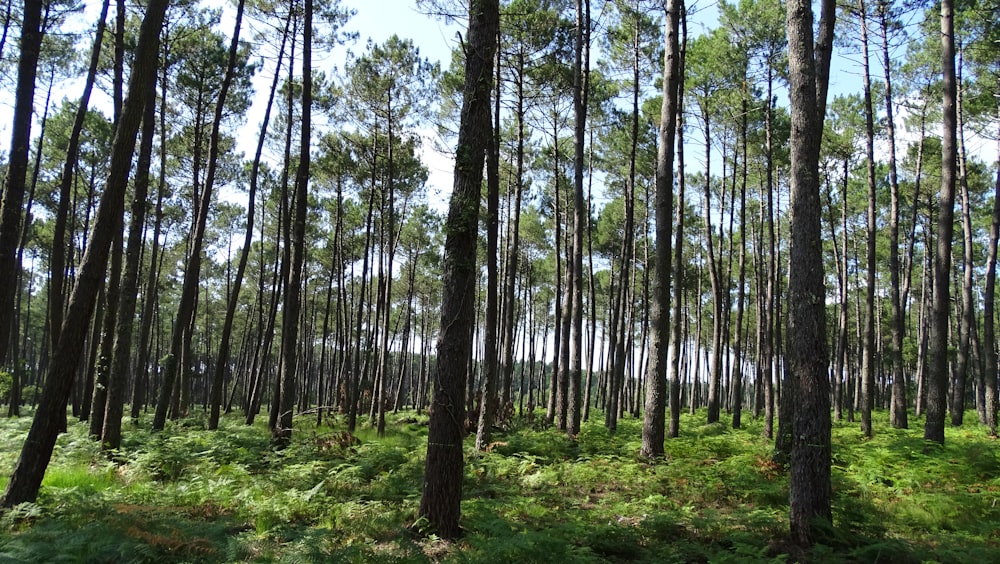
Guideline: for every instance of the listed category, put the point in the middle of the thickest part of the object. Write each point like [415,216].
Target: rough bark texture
[440,503]
[809,483]
[491,366]
[937,352]
[17,166]
[653,423]
[868,358]
[580,214]
[37,450]
[111,429]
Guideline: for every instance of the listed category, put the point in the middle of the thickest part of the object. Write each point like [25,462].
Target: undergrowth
[190,495]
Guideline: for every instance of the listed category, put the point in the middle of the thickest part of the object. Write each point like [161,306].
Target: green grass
[189,495]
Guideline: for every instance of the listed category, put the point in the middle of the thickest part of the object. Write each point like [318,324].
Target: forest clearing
[190,495]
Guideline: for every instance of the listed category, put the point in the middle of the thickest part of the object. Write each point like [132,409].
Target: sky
[380,19]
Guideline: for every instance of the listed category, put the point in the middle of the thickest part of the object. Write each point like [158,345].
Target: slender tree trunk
[222,359]
[715,374]
[488,402]
[737,385]
[868,345]
[282,432]
[989,320]
[27,476]
[897,411]
[966,324]
[150,298]
[110,432]
[656,379]
[57,260]
[676,330]
[581,73]
[118,376]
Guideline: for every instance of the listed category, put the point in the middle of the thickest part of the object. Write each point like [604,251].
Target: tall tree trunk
[581,73]
[676,320]
[99,402]
[715,374]
[150,298]
[57,259]
[967,321]
[989,320]
[180,342]
[222,358]
[656,379]
[937,353]
[442,494]
[488,402]
[27,476]
[17,167]
[868,345]
[737,386]
[897,411]
[282,432]
[809,71]
[118,374]
[557,330]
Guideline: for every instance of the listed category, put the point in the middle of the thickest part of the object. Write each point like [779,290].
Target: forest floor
[190,495]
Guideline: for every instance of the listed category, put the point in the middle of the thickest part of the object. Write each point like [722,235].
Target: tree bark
[937,353]
[489,400]
[868,345]
[17,166]
[27,476]
[989,320]
[282,432]
[653,424]
[222,358]
[897,411]
[581,73]
[442,493]
[128,295]
[809,67]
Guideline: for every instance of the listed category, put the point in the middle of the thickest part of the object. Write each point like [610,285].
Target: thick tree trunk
[937,353]
[442,493]
[17,167]
[809,483]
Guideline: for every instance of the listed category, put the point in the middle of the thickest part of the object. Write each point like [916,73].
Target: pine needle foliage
[190,495]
